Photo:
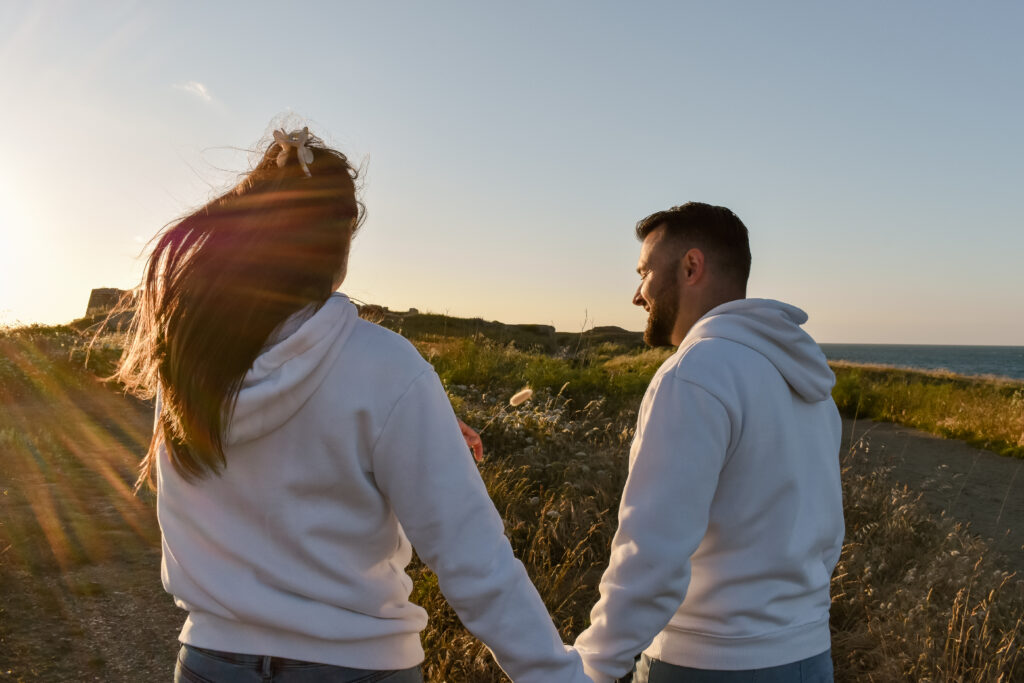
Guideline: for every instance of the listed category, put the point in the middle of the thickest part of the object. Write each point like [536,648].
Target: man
[731,520]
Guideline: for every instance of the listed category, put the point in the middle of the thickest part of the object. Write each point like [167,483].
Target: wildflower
[521,397]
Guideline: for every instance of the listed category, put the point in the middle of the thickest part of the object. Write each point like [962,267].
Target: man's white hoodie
[342,449]
[731,520]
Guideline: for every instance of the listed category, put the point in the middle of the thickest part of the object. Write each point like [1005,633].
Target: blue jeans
[199,665]
[817,669]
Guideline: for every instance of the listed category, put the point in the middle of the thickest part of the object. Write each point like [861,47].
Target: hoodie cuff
[596,675]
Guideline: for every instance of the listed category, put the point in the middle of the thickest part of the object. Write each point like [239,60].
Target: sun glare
[34,259]
[12,230]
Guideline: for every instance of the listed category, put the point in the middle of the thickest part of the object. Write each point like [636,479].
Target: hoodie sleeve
[683,434]
[422,466]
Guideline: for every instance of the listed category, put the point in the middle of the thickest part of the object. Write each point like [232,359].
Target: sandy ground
[970,485]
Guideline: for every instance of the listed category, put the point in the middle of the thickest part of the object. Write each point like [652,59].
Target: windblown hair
[715,230]
[219,281]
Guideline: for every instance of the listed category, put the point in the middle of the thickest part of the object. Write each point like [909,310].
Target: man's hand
[472,440]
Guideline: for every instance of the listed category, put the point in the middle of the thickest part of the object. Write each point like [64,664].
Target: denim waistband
[205,664]
[261,663]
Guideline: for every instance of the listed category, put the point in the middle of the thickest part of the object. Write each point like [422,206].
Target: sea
[1001,361]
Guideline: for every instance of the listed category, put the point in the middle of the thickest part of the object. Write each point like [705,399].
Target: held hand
[472,440]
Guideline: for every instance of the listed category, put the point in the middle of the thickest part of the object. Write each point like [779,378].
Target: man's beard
[661,320]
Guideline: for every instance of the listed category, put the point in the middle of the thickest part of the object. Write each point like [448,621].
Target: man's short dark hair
[715,230]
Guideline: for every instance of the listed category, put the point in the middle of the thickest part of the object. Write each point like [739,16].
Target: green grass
[986,412]
[618,380]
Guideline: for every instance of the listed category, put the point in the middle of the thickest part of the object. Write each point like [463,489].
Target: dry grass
[916,598]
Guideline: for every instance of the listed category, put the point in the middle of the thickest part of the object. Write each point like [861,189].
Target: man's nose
[637,299]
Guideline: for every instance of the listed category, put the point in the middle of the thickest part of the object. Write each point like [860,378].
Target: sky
[874,150]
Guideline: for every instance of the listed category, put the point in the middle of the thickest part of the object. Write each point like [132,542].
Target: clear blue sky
[875,150]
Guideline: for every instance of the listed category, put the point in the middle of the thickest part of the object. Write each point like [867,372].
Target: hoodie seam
[730,340]
[679,373]
[725,406]
[752,348]
[394,406]
[702,388]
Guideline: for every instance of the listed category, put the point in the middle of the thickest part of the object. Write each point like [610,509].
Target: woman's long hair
[217,284]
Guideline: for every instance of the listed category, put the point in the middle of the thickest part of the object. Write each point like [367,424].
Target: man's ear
[691,266]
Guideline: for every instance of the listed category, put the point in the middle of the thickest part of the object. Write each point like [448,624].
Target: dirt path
[80,593]
[970,485]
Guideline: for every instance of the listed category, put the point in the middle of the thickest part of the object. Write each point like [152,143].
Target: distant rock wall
[102,300]
[416,325]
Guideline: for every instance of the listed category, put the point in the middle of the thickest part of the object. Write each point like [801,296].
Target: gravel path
[971,485]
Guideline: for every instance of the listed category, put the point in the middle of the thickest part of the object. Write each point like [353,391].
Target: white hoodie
[342,445]
[731,520]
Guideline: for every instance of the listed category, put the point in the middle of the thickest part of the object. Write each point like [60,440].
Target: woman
[298,451]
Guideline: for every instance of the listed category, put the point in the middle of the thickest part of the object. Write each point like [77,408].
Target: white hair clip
[296,139]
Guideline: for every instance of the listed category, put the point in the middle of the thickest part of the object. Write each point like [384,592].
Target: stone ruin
[102,300]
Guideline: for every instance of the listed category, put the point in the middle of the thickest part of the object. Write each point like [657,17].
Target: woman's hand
[472,440]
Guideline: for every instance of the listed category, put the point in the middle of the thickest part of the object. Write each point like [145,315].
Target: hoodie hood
[772,328]
[293,365]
